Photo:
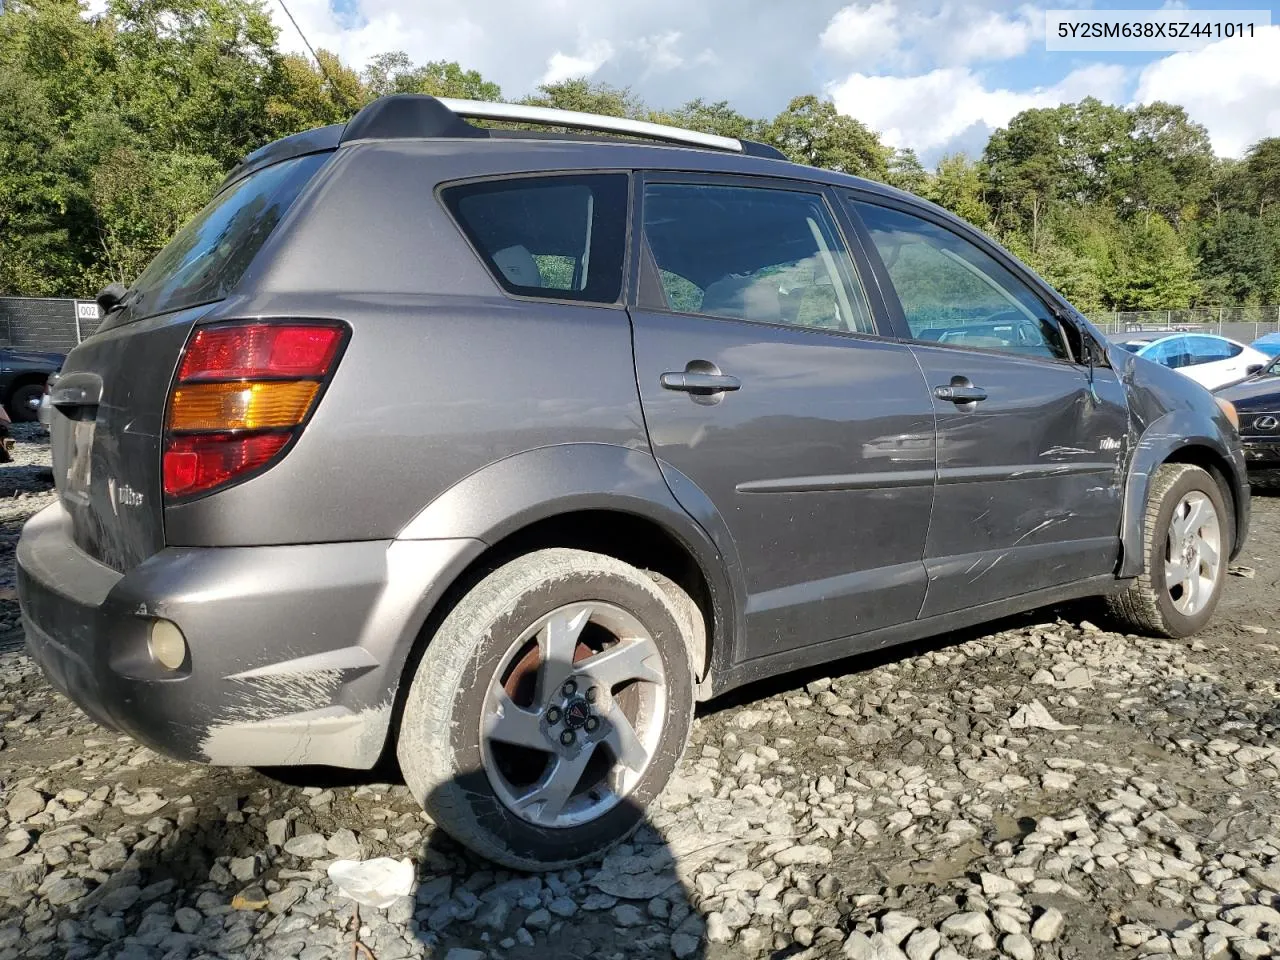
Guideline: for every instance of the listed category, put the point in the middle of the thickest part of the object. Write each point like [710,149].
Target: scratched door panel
[1029,479]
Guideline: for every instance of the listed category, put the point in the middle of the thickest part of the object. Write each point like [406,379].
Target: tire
[20,408]
[1152,605]
[478,787]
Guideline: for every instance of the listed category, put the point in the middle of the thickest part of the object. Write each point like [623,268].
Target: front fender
[510,494]
[1162,440]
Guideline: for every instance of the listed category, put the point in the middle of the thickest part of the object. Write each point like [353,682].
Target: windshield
[207,257]
[1134,346]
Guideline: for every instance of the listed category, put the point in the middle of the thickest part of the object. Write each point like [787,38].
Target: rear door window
[753,253]
[559,237]
[207,257]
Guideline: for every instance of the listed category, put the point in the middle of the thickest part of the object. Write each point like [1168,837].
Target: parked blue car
[1269,344]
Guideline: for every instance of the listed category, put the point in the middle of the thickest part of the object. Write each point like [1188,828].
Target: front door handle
[702,384]
[960,393]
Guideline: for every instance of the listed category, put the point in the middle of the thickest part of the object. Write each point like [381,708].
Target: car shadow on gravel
[629,903]
[222,876]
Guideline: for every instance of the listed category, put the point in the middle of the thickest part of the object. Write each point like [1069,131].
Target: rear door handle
[957,393]
[700,383]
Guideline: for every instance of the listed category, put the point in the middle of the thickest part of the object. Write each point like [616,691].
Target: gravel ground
[1041,789]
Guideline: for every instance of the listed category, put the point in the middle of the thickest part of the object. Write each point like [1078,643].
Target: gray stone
[897,926]
[463,953]
[923,944]
[65,890]
[628,915]
[970,925]
[344,846]
[23,804]
[538,920]
[243,868]
[1018,947]
[187,919]
[120,899]
[109,857]
[278,832]
[309,846]
[1048,925]
[793,856]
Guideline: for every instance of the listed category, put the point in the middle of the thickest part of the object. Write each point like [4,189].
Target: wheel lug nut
[591,694]
[553,715]
[592,724]
[570,688]
[566,737]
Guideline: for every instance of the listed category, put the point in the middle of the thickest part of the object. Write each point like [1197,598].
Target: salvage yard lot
[1043,789]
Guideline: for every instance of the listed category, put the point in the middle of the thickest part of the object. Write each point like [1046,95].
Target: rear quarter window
[558,237]
[206,258]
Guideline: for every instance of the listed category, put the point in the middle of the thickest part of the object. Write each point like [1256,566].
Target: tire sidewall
[20,412]
[505,836]
[1198,480]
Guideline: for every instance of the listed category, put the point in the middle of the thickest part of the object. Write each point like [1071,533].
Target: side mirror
[1253,368]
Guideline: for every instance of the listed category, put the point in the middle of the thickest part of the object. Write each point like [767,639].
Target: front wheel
[24,405]
[549,709]
[1186,539]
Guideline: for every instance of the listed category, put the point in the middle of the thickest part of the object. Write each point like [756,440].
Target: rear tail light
[243,392]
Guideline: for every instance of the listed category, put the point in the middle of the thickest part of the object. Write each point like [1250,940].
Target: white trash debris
[375,883]
[1034,714]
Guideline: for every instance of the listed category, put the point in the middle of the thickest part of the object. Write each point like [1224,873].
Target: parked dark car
[653,418]
[1257,402]
[22,377]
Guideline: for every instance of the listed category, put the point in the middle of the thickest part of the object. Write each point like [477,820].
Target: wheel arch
[600,497]
[1178,439]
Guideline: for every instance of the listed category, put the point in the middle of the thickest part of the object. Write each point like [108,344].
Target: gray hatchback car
[497,450]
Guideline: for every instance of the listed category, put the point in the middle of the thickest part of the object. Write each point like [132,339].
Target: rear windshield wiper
[114,296]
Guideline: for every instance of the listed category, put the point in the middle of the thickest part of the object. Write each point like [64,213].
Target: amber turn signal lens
[240,406]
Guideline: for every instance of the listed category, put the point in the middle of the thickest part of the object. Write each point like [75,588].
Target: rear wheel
[1186,539]
[24,403]
[549,709]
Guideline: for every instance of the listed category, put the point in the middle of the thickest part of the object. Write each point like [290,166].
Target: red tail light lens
[243,392]
[260,350]
[197,463]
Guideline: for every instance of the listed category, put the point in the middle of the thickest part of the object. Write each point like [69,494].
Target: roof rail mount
[414,115]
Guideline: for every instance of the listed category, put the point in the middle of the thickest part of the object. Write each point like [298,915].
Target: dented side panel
[1029,480]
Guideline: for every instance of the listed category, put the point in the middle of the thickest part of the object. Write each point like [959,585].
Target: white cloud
[953,34]
[932,110]
[659,51]
[1230,86]
[591,56]
[990,36]
[865,34]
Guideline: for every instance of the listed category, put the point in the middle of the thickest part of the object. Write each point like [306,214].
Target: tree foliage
[116,127]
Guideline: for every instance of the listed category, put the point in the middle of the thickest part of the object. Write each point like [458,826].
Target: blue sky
[935,75]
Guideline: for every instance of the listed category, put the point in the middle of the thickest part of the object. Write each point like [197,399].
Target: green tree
[586,96]
[1236,260]
[395,73]
[906,172]
[1155,271]
[813,132]
[957,184]
[718,118]
[1263,165]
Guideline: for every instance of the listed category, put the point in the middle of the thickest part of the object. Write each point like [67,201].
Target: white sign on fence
[86,310]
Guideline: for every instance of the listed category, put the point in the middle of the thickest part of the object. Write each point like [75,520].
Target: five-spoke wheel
[550,707]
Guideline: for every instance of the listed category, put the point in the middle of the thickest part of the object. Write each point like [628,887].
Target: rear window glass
[207,257]
[560,237]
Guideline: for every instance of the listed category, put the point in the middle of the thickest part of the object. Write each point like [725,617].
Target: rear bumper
[294,652]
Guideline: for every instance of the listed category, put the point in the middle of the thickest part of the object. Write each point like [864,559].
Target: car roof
[418,117]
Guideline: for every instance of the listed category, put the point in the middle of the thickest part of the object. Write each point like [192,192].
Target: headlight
[1229,411]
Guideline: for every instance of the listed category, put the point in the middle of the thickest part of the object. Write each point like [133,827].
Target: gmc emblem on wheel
[1266,423]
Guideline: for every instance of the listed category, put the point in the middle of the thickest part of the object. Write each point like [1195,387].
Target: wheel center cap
[576,713]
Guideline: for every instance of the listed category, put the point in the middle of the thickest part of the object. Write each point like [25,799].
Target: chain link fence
[1244,324]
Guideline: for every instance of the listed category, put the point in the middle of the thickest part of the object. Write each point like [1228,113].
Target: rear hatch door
[107,424]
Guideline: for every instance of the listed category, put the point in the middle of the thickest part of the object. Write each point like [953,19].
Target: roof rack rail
[419,115]
[574,120]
